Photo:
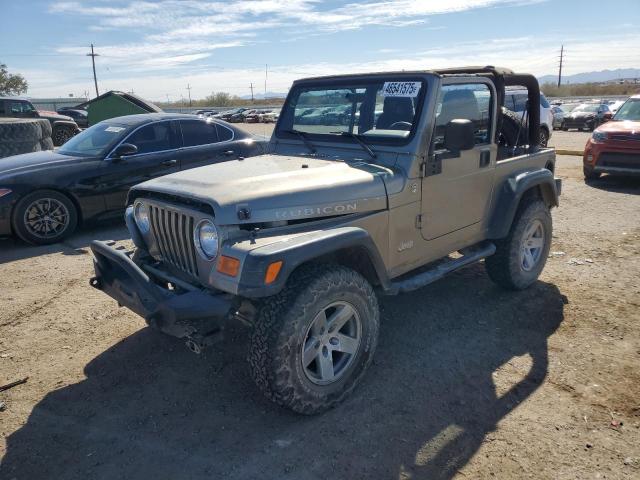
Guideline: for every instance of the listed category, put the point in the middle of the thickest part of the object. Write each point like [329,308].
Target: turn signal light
[228,265]
[272,272]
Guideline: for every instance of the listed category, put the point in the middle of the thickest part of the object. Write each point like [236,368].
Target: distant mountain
[601,76]
[259,96]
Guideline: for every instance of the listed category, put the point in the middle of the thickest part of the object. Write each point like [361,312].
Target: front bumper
[195,314]
[612,159]
[578,122]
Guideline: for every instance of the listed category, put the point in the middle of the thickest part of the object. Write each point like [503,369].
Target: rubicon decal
[313,211]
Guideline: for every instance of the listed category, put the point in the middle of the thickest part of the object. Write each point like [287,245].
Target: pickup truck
[422,173]
[63,127]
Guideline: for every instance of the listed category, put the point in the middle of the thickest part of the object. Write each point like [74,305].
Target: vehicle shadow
[150,409]
[617,184]
[12,249]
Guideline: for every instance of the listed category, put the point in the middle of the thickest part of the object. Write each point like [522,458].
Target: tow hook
[197,343]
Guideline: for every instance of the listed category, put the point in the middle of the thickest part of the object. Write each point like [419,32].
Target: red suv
[615,146]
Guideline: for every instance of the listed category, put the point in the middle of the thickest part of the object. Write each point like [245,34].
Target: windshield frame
[353,82]
[107,148]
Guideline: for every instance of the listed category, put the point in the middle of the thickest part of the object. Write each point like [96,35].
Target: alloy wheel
[532,245]
[46,218]
[331,343]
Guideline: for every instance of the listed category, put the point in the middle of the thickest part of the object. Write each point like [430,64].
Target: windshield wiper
[358,139]
[303,137]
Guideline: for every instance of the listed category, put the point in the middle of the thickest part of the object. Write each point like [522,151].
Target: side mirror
[608,115]
[123,150]
[459,135]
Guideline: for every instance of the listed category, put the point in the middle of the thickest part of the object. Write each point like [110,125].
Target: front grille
[619,160]
[173,232]
[625,137]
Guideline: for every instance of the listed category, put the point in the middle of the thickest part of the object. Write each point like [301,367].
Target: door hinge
[432,165]
[419,221]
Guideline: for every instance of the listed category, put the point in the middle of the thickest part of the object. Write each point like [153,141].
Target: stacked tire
[19,136]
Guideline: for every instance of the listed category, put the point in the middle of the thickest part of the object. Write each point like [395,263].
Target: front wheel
[314,340]
[521,256]
[61,134]
[44,217]
[590,174]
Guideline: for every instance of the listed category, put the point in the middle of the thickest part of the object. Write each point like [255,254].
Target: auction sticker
[114,129]
[401,89]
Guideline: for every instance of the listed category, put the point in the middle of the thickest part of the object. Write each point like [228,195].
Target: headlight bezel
[141,217]
[599,137]
[206,252]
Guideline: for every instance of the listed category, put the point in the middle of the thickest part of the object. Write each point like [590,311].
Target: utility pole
[560,67]
[93,61]
[189,90]
[251,86]
[265,79]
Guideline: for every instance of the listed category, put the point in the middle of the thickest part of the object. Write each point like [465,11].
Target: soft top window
[378,110]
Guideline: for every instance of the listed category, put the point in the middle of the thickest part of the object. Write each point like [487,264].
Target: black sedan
[44,196]
[80,116]
[586,115]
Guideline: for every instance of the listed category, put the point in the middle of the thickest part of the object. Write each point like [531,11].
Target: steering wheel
[400,126]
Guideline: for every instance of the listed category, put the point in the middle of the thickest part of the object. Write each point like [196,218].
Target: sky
[158,48]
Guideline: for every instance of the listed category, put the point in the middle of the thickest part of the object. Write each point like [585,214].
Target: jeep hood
[276,187]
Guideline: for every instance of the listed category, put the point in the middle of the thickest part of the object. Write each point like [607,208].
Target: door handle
[168,163]
[228,153]
[485,158]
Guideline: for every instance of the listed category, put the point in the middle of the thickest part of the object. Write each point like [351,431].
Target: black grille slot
[619,160]
[173,232]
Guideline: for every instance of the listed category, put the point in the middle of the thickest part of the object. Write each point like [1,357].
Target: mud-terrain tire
[45,128]
[589,174]
[8,149]
[516,263]
[61,219]
[61,133]
[290,330]
[513,132]
[46,144]
[20,130]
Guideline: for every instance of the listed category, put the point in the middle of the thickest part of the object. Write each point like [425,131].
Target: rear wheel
[314,340]
[44,217]
[521,256]
[544,137]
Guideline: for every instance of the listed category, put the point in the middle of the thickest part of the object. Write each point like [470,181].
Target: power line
[93,62]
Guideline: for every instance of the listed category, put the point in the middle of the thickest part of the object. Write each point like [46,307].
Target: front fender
[512,191]
[64,123]
[301,249]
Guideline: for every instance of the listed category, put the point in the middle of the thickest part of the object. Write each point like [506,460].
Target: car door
[458,196]
[205,142]
[157,145]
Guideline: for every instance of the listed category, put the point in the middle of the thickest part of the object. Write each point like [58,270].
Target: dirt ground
[469,381]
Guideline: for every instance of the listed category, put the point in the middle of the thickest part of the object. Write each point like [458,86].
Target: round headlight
[205,236]
[141,215]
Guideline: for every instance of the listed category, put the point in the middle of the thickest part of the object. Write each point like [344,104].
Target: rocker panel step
[425,277]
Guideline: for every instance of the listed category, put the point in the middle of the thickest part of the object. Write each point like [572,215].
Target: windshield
[587,107]
[378,110]
[629,111]
[94,141]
